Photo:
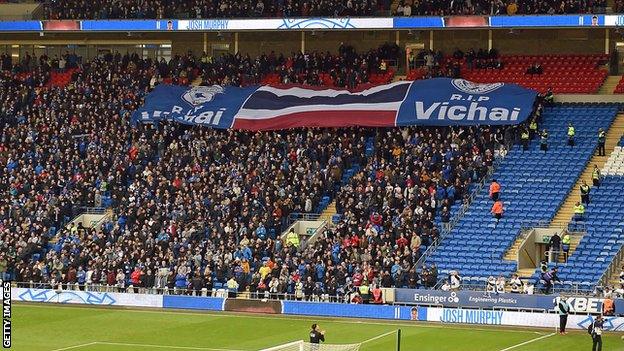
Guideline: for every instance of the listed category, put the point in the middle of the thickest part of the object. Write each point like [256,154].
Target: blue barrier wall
[477,299]
[353,311]
[193,303]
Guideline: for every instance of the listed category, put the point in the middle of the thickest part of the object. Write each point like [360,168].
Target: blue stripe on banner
[193,303]
[266,100]
[348,310]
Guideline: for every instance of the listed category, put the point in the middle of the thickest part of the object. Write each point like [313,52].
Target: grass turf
[59,328]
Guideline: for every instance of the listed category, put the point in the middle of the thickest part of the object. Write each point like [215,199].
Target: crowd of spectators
[347,68]
[436,64]
[496,7]
[138,9]
[196,207]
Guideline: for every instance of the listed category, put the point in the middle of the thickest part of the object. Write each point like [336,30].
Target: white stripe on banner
[307,93]
[248,114]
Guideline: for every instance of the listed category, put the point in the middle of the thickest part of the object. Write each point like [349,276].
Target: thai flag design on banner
[437,102]
[282,108]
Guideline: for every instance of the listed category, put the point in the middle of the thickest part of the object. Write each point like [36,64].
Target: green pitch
[60,328]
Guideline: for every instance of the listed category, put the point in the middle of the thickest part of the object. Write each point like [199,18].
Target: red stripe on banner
[326,119]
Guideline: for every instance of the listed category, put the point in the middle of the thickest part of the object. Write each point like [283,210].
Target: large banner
[86,297]
[476,299]
[433,102]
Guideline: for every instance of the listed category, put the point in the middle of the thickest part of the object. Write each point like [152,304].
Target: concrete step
[525,272]
[608,86]
[566,211]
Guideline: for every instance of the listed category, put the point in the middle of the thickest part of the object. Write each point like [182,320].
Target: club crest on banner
[202,94]
[475,88]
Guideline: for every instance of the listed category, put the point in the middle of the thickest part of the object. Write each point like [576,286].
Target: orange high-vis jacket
[497,208]
[494,188]
[607,306]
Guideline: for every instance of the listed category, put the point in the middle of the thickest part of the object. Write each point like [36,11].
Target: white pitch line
[162,346]
[378,337]
[344,320]
[528,342]
[75,346]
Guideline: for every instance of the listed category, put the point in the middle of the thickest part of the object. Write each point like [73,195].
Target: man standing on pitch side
[316,335]
[563,307]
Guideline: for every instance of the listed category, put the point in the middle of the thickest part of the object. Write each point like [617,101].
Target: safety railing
[459,215]
[293,217]
[612,268]
[88,210]
[222,290]
[575,289]
[554,255]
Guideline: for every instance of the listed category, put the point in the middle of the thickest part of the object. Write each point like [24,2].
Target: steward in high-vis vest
[565,244]
[571,133]
[602,138]
[579,212]
[497,211]
[533,129]
[544,140]
[596,176]
[364,291]
[495,189]
[292,238]
[585,189]
[524,139]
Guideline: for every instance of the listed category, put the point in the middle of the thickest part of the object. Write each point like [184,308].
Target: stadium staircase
[534,184]
[619,89]
[599,254]
[613,166]
[512,254]
[327,206]
[609,85]
[566,211]
[595,251]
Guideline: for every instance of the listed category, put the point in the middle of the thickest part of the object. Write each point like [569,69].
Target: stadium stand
[74,9]
[574,74]
[394,190]
[604,223]
[561,73]
[534,184]
[619,89]
[129,170]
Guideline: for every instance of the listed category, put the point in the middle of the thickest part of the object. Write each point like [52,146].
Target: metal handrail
[612,267]
[556,259]
[459,215]
[89,210]
[214,292]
